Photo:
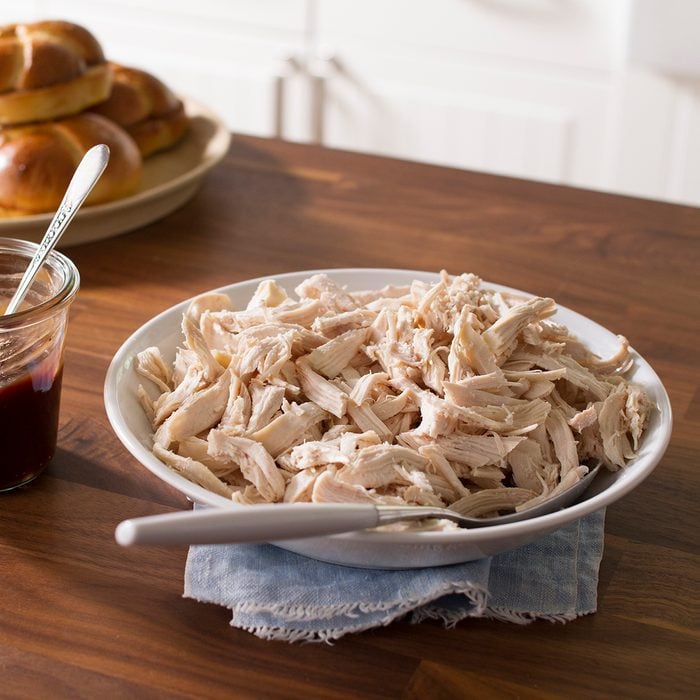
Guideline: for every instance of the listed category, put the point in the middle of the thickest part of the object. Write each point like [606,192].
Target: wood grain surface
[82,617]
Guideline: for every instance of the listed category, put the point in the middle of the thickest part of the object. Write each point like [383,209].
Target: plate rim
[507,531]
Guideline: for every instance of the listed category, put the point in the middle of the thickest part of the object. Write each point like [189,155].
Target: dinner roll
[48,70]
[37,162]
[146,108]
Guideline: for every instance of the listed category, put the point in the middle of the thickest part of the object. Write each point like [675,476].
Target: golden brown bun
[48,70]
[37,162]
[146,108]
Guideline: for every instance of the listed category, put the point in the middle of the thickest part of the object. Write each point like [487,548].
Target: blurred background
[602,94]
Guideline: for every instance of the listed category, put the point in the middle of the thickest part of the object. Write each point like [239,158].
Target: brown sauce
[28,425]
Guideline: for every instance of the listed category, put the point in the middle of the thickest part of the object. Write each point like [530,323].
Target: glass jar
[31,360]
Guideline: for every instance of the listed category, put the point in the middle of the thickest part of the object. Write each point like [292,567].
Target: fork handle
[258,523]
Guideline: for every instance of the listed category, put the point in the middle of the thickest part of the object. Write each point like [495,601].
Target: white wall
[602,94]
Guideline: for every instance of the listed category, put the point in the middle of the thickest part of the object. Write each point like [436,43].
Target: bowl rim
[641,466]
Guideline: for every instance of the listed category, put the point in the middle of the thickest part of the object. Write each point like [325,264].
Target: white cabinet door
[455,113]
[225,54]
[530,88]
[518,88]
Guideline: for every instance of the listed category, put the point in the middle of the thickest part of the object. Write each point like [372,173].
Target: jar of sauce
[31,360]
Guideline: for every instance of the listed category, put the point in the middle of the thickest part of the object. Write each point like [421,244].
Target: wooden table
[82,617]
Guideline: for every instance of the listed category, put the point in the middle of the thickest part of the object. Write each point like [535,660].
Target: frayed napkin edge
[476,595]
[525,618]
[449,618]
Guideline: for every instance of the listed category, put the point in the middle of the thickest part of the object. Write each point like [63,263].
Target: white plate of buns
[59,96]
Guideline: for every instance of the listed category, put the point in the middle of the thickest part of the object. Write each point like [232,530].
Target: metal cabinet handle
[320,70]
[288,67]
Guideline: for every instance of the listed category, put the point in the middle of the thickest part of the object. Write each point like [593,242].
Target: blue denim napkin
[276,594]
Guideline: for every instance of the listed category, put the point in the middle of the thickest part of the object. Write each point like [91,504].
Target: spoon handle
[86,175]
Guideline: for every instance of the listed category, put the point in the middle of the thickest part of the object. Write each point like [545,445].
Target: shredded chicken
[443,394]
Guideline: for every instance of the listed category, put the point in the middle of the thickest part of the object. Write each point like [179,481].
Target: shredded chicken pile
[441,394]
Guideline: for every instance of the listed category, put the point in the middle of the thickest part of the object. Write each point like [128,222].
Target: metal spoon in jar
[287,521]
[84,179]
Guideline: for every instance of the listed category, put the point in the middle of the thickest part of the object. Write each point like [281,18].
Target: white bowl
[371,549]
